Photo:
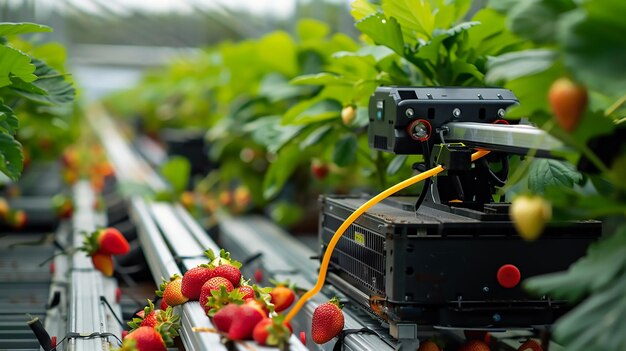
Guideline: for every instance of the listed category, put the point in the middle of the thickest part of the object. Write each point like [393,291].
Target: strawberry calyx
[220,298]
[278,333]
[223,258]
[143,314]
[169,328]
[163,285]
[128,345]
[335,301]
[90,241]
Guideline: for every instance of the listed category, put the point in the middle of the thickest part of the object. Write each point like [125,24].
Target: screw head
[496,317]
[409,112]
[420,130]
[486,289]
[456,112]
[501,113]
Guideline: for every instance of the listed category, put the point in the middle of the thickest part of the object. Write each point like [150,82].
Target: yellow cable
[359,211]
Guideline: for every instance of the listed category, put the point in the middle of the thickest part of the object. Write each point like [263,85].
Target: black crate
[439,266]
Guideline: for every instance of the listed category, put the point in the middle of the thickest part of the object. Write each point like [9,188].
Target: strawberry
[187,199]
[243,323]
[17,219]
[319,169]
[213,284]
[530,213]
[144,339]
[163,305]
[103,262]
[4,208]
[348,114]
[63,206]
[193,280]
[272,332]
[171,291]
[224,317]
[107,240]
[220,298]
[260,305]
[481,335]
[428,345]
[247,291]
[568,102]
[474,345]
[282,297]
[327,321]
[530,345]
[222,259]
[146,317]
[232,273]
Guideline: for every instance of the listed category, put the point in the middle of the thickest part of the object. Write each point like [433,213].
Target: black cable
[104,299]
[251,258]
[73,335]
[344,333]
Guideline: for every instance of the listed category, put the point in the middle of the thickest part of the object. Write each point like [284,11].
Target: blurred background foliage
[280,97]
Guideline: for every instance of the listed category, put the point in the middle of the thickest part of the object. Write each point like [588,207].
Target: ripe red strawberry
[171,292]
[232,273]
[107,240]
[146,317]
[568,102]
[272,332]
[243,323]
[224,317]
[103,262]
[259,304]
[163,305]
[474,345]
[193,280]
[319,169]
[327,321]
[213,284]
[144,339]
[282,297]
[247,292]
[530,345]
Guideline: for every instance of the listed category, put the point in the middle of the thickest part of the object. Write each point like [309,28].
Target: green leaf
[384,31]
[545,173]
[50,88]
[311,111]
[13,62]
[597,323]
[269,132]
[416,17]
[518,64]
[361,9]
[315,137]
[396,164]
[277,51]
[594,45]
[177,171]
[310,29]
[8,119]
[275,87]
[345,150]
[11,158]
[7,28]
[281,169]
[378,52]
[604,260]
[323,78]
[537,19]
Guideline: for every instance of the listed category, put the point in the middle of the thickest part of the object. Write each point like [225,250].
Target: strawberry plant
[571,82]
[32,90]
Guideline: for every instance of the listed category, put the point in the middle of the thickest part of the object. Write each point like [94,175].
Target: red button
[509,276]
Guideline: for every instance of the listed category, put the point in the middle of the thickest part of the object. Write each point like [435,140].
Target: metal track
[171,240]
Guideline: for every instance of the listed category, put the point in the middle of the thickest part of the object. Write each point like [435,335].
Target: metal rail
[171,240]
[87,312]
